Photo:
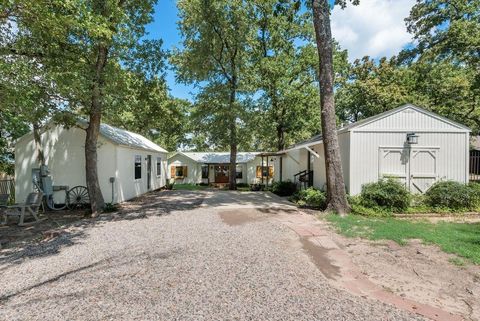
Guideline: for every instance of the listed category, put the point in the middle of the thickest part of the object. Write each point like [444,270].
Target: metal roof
[127,138]
[219,157]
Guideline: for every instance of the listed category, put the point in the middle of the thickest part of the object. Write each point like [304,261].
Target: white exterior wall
[194,170]
[452,156]
[293,162]
[126,186]
[252,171]
[65,156]
[64,150]
[318,164]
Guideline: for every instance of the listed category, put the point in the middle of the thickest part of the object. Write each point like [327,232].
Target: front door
[221,173]
[414,167]
[149,172]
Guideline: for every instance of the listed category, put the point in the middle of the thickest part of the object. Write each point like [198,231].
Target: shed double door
[416,167]
[222,173]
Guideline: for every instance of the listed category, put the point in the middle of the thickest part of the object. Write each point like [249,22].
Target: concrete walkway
[183,255]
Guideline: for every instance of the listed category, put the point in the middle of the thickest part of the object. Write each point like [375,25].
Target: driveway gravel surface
[178,255]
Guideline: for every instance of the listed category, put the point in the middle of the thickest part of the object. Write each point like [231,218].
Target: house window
[138,166]
[264,171]
[178,171]
[159,166]
[204,171]
[239,172]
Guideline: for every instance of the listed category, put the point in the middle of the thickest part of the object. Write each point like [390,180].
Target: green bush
[452,195]
[284,188]
[387,194]
[311,198]
[242,185]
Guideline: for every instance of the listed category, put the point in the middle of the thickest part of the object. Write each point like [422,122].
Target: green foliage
[387,194]
[285,188]
[462,239]
[110,207]
[311,198]
[451,195]
[189,187]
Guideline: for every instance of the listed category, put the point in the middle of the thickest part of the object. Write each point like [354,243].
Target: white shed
[213,168]
[379,146]
[137,164]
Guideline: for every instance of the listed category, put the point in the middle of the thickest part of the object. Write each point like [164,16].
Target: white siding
[451,160]
[409,119]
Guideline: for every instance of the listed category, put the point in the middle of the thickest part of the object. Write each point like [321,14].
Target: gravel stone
[183,264]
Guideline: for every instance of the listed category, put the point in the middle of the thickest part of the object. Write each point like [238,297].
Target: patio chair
[30,207]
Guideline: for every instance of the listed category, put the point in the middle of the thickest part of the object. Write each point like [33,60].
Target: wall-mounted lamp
[412,138]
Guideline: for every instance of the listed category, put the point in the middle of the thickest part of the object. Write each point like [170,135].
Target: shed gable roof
[406,116]
[377,119]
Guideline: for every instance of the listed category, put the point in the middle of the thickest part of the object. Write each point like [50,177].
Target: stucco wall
[194,170]
[64,153]
[65,157]
[126,186]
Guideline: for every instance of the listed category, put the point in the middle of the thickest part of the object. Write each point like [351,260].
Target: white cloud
[375,28]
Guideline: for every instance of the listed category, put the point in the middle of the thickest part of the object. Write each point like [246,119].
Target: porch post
[268,171]
[263,167]
[281,167]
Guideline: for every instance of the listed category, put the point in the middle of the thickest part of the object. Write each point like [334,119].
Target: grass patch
[462,239]
[189,187]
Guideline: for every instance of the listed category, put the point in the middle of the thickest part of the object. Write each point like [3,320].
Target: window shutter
[172,171]
[270,171]
[185,172]
[259,171]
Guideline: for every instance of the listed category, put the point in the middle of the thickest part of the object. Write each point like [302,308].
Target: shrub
[169,185]
[387,194]
[242,185]
[452,195]
[284,188]
[109,208]
[311,198]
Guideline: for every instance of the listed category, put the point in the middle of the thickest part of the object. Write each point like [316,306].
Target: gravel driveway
[188,256]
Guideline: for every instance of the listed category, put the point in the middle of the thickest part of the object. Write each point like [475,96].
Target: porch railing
[304,179]
[7,186]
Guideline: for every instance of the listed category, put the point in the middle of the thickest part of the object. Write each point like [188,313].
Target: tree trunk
[96,198]
[336,195]
[38,144]
[232,181]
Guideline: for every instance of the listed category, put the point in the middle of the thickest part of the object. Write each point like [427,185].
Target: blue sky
[164,26]
[375,28]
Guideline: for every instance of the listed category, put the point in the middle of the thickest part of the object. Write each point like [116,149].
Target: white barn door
[415,168]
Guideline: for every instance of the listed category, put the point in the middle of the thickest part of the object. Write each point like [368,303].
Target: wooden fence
[7,186]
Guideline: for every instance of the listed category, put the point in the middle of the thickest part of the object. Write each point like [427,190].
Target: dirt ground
[419,272]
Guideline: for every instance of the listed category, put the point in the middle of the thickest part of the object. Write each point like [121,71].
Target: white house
[409,143]
[136,164]
[213,168]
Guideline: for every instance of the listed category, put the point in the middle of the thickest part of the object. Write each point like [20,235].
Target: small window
[239,172]
[264,171]
[138,166]
[159,166]
[179,171]
[204,171]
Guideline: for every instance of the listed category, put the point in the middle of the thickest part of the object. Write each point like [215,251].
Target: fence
[7,186]
[474,166]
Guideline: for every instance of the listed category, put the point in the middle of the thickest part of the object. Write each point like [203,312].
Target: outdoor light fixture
[412,138]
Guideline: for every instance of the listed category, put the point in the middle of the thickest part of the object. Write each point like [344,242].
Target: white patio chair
[30,207]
